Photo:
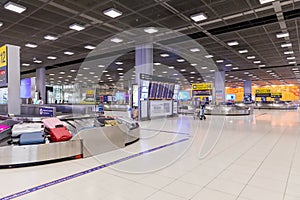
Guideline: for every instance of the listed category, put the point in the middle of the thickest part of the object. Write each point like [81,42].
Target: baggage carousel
[228,110]
[276,106]
[90,137]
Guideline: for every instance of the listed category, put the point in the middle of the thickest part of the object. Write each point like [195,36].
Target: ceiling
[253,25]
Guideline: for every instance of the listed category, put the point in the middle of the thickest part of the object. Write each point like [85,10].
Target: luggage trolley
[199,113]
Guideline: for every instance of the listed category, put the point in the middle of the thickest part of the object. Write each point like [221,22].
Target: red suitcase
[59,134]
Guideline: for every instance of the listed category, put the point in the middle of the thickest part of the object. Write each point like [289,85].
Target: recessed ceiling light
[282,35]
[203,67]
[90,47]
[209,56]
[198,17]
[219,61]
[233,43]
[171,67]
[288,52]
[228,65]
[116,40]
[265,1]
[69,53]
[243,51]
[38,61]
[50,37]
[150,30]
[268,71]
[119,63]
[1,24]
[14,7]
[194,50]
[246,72]
[25,64]
[192,77]
[293,62]
[72,70]
[51,74]
[77,27]
[212,70]
[92,73]
[51,57]
[120,73]
[60,77]
[105,71]
[164,55]
[183,70]
[31,45]
[180,60]
[175,74]
[286,45]
[165,72]
[107,75]
[86,68]
[192,72]
[112,12]
[62,72]
[291,58]
[101,66]
[257,62]
[119,69]
[156,63]
[250,57]
[235,68]
[69,76]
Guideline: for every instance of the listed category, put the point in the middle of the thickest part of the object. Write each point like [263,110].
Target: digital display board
[3,66]
[184,95]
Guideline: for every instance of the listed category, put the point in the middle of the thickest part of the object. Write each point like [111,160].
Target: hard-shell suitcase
[19,129]
[52,122]
[32,138]
[59,134]
[5,132]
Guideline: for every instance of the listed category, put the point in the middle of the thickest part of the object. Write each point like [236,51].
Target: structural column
[219,93]
[143,60]
[41,82]
[13,82]
[248,91]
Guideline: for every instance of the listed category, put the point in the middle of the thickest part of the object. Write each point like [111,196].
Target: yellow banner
[276,93]
[3,56]
[202,86]
[263,91]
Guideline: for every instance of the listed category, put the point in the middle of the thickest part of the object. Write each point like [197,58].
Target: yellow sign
[263,91]
[202,86]
[276,94]
[3,56]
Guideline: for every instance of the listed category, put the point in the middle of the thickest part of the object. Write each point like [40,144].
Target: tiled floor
[225,158]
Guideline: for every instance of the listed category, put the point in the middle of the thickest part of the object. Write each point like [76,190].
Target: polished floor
[222,158]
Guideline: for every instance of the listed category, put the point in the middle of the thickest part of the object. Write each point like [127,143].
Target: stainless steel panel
[12,155]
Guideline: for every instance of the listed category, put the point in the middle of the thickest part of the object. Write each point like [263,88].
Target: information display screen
[160,90]
[184,95]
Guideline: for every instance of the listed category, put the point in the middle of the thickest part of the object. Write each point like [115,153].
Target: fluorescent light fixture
[268,71]
[209,56]
[116,40]
[219,61]
[212,70]
[261,65]
[171,67]
[257,62]
[243,51]
[251,57]
[92,73]
[37,61]
[90,47]
[180,60]
[292,62]
[291,58]
[175,74]
[183,70]
[101,66]
[194,50]
[233,43]
[246,72]
[194,64]
[51,57]
[164,72]
[192,77]
[72,70]
[107,75]
[25,64]
[51,74]
[164,55]
[120,73]
[119,69]
[286,45]
[288,52]
[76,27]
[150,30]
[69,53]
[105,71]
[31,45]
[112,12]
[192,72]
[265,1]
[203,67]
[62,72]
[156,63]
[14,7]
[198,17]
[50,37]
[282,35]
[119,63]
[228,65]
[235,68]
[1,24]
